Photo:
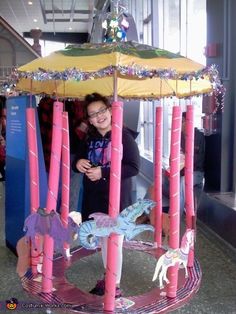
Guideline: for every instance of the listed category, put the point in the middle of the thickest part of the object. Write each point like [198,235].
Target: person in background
[76,178]
[3,140]
[77,129]
[198,160]
[45,114]
[198,179]
[2,158]
[94,161]
[198,169]
[165,201]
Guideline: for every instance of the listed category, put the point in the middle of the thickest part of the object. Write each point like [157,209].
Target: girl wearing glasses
[94,159]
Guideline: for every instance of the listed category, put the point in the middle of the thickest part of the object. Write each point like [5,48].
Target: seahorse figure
[171,257]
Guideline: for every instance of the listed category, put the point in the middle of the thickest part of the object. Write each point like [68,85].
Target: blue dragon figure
[124,224]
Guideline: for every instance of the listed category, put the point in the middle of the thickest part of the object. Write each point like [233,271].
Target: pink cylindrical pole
[34,178]
[189,155]
[65,197]
[53,182]
[158,176]
[114,203]
[174,196]
[65,172]
[33,159]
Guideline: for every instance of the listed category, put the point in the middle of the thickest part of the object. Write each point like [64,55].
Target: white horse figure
[171,257]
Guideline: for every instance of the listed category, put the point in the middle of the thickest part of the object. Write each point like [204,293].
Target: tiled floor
[217,293]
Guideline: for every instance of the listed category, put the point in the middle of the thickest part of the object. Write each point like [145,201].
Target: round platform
[70,295]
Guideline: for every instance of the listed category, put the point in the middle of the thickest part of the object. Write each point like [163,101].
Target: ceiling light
[35,20]
[30,2]
[70,28]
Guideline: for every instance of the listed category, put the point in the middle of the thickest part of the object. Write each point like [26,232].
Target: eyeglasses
[98,113]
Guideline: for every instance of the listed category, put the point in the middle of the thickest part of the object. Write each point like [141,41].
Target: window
[171,25]
[146,137]
[48,47]
[181,28]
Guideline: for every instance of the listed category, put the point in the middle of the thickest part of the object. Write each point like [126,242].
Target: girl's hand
[94,173]
[182,160]
[83,165]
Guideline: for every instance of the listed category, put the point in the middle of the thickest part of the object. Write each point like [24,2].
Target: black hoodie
[97,149]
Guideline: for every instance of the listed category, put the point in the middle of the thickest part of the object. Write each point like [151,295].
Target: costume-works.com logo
[11,304]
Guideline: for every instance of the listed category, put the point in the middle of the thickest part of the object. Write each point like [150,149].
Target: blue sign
[17,196]
[16,125]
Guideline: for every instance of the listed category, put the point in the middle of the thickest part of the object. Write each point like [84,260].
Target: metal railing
[5,72]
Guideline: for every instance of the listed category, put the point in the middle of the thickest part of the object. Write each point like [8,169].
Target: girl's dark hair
[94,97]
[87,101]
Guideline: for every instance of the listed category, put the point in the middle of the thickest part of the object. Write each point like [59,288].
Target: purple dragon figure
[43,223]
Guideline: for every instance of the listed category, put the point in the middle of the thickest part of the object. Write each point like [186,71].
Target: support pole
[53,182]
[114,203]
[174,196]
[158,177]
[34,179]
[65,196]
[188,173]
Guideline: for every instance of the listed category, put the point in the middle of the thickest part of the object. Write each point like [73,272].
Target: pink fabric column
[53,182]
[189,152]
[114,202]
[158,176]
[65,172]
[34,178]
[174,196]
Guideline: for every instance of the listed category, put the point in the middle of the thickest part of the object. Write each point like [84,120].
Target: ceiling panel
[49,15]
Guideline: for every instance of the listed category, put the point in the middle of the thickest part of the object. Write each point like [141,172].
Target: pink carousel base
[69,298]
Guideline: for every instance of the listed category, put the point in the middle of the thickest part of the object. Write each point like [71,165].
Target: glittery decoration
[115,28]
[133,70]
[129,71]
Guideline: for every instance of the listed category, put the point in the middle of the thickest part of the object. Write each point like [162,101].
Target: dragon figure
[43,223]
[124,224]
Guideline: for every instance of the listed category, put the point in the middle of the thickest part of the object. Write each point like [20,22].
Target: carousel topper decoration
[103,225]
[157,73]
[171,257]
[115,24]
[115,28]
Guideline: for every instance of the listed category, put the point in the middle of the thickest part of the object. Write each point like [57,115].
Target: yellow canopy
[142,72]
